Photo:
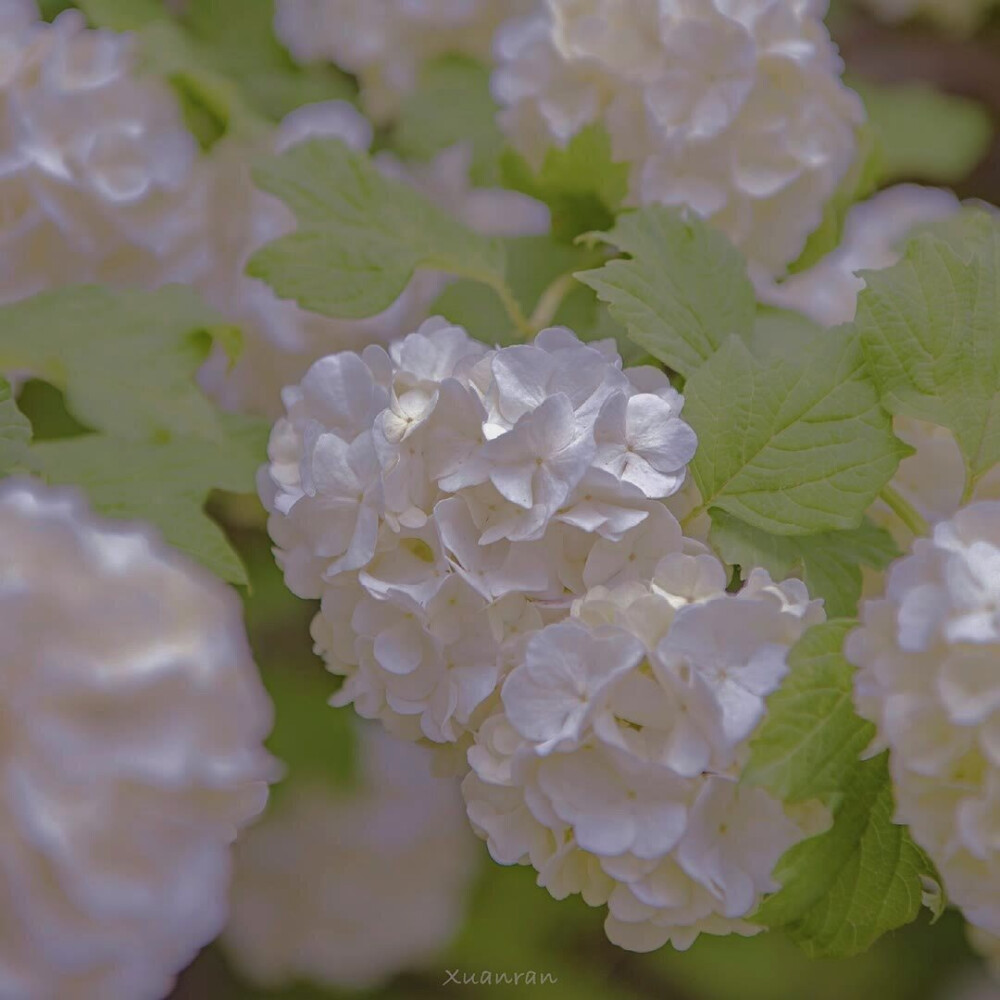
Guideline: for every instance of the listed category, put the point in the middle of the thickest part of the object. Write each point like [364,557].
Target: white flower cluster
[348,888]
[133,720]
[735,110]
[956,15]
[100,179]
[385,42]
[280,339]
[927,656]
[612,765]
[444,499]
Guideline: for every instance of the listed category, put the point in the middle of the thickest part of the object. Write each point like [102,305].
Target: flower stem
[905,511]
[522,326]
[550,301]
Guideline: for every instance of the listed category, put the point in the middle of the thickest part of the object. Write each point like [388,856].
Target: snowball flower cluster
[956,15]
[100,179]
[445,499]
[281,339]
[133,720]
[735,110]
[347,888]
[612,765]
[385,42]
[927,656]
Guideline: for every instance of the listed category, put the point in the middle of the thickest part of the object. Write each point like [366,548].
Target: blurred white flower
[956,15]
[133,719]
[735,110]
[927,656]
[350,887]
[443,500]
[874,236]
[612,762]
[99,179]
[281,339]
[385,42]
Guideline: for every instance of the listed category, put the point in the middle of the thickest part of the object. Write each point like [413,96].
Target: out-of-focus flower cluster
[735,110]
[348,887]
[612,765]
[927,656]
[100,180]
[385,42]
[445,499]
[133,723]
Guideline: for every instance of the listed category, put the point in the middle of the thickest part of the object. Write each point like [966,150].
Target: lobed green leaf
[361,236]
[683,291]
[792,446]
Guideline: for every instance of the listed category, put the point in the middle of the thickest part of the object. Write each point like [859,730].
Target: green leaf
[15,431]
[811,740]
[166,484]
[125,359]
[168,50]
[533,262]
[361,236]
[793,446]
[236,38]
[930,328]
[847,887]
[122,15]
[829,563]
[864,876]
[904,115]
[581,183]
[861,181]
[452,104]
[684,291]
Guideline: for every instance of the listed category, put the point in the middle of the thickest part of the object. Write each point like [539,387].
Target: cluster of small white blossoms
[385,42]
[101,180]
[280,339]
[133,721]
[350,887]
[956,15]
[612,765]
[927,657]
[445,499]
[734,110]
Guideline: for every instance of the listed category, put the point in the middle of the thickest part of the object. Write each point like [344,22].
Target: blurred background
[933,96]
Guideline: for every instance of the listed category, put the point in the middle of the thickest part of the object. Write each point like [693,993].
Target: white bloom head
[444,499]
[100,178]
[385,42]
[350,887]
[928,677]
[612,763]
[733,110]
[133,725]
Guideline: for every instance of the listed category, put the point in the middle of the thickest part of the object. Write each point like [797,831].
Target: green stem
[522,325]
[692,516]
[550,301]
[905,511]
